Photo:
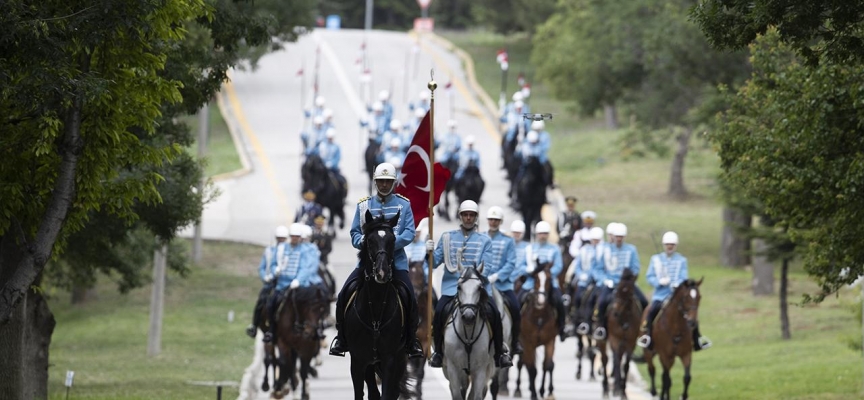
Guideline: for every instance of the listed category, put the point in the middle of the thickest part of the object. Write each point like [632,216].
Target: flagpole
[303,94]
[432,85]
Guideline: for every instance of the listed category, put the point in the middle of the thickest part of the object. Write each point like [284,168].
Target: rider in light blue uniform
[298,268]
[389,204]
[329,151]
[312,138]
[452,144]
[475,249]
[467,157]
[666,271]
[269,263]
[384,98]
[517,230]
[500,273]
[422,102]
[617,256]
[394,154]
[544,252]
[584,263]
[516,122]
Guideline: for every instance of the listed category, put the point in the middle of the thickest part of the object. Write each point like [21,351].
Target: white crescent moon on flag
[421,152]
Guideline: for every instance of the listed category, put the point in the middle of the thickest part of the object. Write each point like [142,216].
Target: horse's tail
[407,389]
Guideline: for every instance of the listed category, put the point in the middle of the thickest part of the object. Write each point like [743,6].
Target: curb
[233,129]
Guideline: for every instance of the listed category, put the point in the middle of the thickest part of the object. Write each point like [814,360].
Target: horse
[622,320]
[672,335]
[468,357]
[500,379]
[470,185]
[444,206]
[375,316]
[539,328]
[415,273]
[297,335]
[330,188]
[584,341]
[531,193]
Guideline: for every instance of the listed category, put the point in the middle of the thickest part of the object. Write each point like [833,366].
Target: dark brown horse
[415,273]
[623,317]
[672,335]
[539,328]
[297,337]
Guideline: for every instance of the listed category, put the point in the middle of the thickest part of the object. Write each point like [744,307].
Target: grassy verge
[221,156]
[105,340]
[750,360]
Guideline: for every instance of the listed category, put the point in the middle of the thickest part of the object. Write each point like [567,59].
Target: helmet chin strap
[381,194]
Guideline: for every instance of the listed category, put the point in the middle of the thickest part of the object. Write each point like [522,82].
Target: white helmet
[517,96]
[618,230]
[424,95]
[384,95]
[542,227]
[331,133]
[419,112]
[281,231]
[469,139]
[318,120]
[589,214]
[395,125]
[395,142]
[307,232]
[385,171]
[518,104]
[377,106]
[495,212]
[327,113]
[611,227]
[319,101]
[538,125]
[533,136]
[468,205]
[596,233]
[452,123]
[517,226]
[670,238]
[296,229]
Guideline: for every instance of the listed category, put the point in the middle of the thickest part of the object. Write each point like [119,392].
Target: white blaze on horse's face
[382,233]
[541,289]
[469,295]
[693,293]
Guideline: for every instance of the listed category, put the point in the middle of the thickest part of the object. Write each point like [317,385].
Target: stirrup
[503,361]
[644,341]
[251,331]
[704,343]
[583,328]
[336,348]
[600,333]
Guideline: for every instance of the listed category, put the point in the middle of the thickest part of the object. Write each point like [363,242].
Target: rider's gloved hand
[493,278]
[268,278]
[609,283]
[295,284]
[430,245]
[664,281]
[583,277]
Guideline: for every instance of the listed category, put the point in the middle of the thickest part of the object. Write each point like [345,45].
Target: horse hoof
[305,396]
[550,397]
[578,375]
[265,387]
[517,394]
[592,379]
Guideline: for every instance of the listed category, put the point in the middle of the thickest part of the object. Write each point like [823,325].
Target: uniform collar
[383,199]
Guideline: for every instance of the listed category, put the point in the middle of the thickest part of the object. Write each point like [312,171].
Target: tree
[643,56]
[88,96]
[791,141]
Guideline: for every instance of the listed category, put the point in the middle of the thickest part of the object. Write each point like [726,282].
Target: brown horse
[415,273]
[539,328]
[623,317]
[672,335]
[297,335]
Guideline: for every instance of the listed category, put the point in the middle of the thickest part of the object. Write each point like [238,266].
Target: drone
[537,117]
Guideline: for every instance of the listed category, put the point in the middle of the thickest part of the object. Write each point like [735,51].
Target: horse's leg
[372,384]
[493,387]
[532,375]
[549,364]
[518,392]
[358,375]
[686,360]
[649,359]
[305,366]
[591,354]
[616,371]
[268,361]
[666,361]
[625,366]
[604,361]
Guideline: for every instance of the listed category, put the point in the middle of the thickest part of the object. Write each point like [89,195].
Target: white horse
[500,379]
[468,353]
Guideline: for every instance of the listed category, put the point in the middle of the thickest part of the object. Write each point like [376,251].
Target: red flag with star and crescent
[413,182]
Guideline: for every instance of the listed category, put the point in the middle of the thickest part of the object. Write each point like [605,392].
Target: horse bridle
[367,275]
[469,345]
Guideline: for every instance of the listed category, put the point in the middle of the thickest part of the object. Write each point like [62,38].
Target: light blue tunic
[503,260]
[614,260]
[476,248]
[546,252]
[330,154]
[389,206]
[674,267]
[521,261]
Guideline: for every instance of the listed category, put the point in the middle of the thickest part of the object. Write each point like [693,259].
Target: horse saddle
[401,297]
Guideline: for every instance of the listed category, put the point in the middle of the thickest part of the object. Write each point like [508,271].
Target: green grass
[105,340]
[750,360]
[221,155]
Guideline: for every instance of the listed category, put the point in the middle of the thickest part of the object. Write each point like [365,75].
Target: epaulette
[403,197]
[364,199]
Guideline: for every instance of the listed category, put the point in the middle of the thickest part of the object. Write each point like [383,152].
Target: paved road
[265,107]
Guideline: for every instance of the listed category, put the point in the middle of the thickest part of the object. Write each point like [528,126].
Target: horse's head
[542,285]
[625,296]
[378,248]
[471,292]
[312,305]
[686,298]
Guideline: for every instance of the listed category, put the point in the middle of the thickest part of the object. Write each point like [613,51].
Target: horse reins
[469,346]
[376,325]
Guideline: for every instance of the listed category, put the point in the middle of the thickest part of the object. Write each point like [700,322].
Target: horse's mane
[309,294]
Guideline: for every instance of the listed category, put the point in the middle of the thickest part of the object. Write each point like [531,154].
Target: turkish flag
[413,182]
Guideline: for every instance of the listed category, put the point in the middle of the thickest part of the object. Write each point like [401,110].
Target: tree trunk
[154,336]
[611,115]
[784,304]
[763,270]
[82,294]
[735,247]
[676,181]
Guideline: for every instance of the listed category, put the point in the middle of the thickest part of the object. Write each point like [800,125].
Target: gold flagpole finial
[432,85]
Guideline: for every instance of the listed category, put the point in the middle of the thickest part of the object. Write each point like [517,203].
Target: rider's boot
[644,341]
[502,359]
[437,359]
[700,342]
[339,345]
[562,329]
[414,349]
[600,325]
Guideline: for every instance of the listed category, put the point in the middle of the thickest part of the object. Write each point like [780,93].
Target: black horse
[531,192]
[444,204]
[330,188]
[470,186]
[374,318]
